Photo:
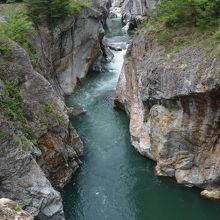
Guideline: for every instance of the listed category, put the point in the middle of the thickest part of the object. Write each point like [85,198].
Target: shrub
[216,36]
[12,105]
[17,28]
[218,52]
[50,12]
[18,208]
[199,13]
[6,53]
[76,6]
[165,37]
[50,109]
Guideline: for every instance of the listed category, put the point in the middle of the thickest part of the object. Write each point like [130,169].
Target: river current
[114,181]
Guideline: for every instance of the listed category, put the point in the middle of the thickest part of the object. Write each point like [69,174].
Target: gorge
[115,182]
[170,93]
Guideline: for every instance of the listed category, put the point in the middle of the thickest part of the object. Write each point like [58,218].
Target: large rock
[173,100]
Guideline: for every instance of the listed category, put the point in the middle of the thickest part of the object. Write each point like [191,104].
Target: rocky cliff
[172,98]
[70,50]
[133,11]
[37,140]
[39,148]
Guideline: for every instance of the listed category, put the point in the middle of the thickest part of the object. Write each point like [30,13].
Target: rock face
[37,140]
[173,102]
[39,148]
[10,210]
[69,51]
[133,8]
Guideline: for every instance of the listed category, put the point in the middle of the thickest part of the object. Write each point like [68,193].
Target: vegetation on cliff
[199,13]
[47,12]
[177,24]
[19,17]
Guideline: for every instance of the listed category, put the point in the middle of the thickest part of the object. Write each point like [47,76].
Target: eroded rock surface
[70,50]
[37,140]
[132,11]
[10,210]
[173,101]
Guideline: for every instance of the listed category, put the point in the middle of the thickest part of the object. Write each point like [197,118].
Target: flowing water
[115,182]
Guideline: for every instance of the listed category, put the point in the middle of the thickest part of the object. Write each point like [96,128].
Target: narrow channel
[115,182]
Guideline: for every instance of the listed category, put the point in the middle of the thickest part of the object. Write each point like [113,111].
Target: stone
[3,91]
[21,178]
[211,194]
[10,210]
[115,47]
[76,111]
[39,148]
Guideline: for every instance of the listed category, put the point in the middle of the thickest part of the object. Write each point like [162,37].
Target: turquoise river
[114,181]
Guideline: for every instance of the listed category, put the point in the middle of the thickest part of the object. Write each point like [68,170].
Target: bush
[12,107]
[6,53]
[76,6]
[17,28]
[217,36]
[198,13]
[50,12]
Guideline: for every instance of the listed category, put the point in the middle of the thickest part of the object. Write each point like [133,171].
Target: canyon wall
[38,143]
[39,148]
[69,51]
[172,99]
[133,9]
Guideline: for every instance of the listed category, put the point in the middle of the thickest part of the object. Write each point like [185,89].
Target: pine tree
[47,12]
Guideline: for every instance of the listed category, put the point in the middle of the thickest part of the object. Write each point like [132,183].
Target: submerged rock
[115,47]
[211,194]
[76,111]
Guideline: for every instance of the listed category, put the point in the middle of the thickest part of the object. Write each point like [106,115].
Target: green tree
[200,13]
[47,12]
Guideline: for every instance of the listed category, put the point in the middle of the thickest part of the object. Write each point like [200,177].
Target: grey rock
[115,47]
[10,210]
[132,8]
[173,104]
[24,168]
[3,91]
[69,51]
[22,180]
[76,111]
